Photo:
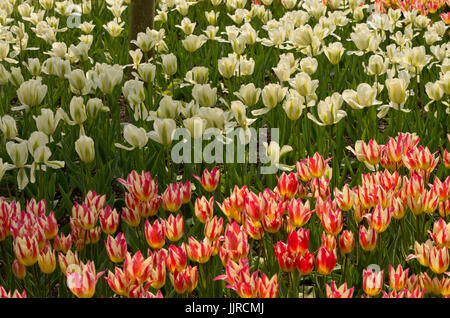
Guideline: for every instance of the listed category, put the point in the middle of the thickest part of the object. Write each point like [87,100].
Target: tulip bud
[78,110]
[19,270]
[8,127]
[116,248]
[4,75]
[346,242]
[204,209]
[294,105]
[109,220]
[155,234]
[209,180]
[94,106]
[85,149]
[169,64]
[367,238]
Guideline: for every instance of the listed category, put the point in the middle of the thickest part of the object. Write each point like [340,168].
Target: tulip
[172,198]
[193,42]
[136,267]
[286,258]
[86,217]
[372,282]
[228,66]
[345,198]
[380,218]
[186,190]
[209,180]
[68,259]
[445,286]
[341,292]
[199,252]
[317,165]
[118,281]
[31,94]
[19,270]
[109,220]
[273,217]
[163,131]
[299,213]
[136,137]
[334,52]
[235,245]
[180,281]
[198,75]
[47,259]
[204,209]
[131,217]
[272,94]
[255,206]
[8,127]
[367,238]
[26,250]
[82,279]
[397,90]
[308,65]
[398,277]
[346,242]
[85,149]
[174,227]
[155,234]
[169,64]
[268,288]
[213,228]
[287,185]
[430,286]
[248,94]
[177,259]
[325,261]
[305,263]
[329,242]
[62,243]
[141,185]
[204,95]
[329,111]
[332,221]
[377,66]
[79,84]
[116,248]
[438,259]
[298,241]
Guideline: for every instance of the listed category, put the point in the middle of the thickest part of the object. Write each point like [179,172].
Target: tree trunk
[142,13]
